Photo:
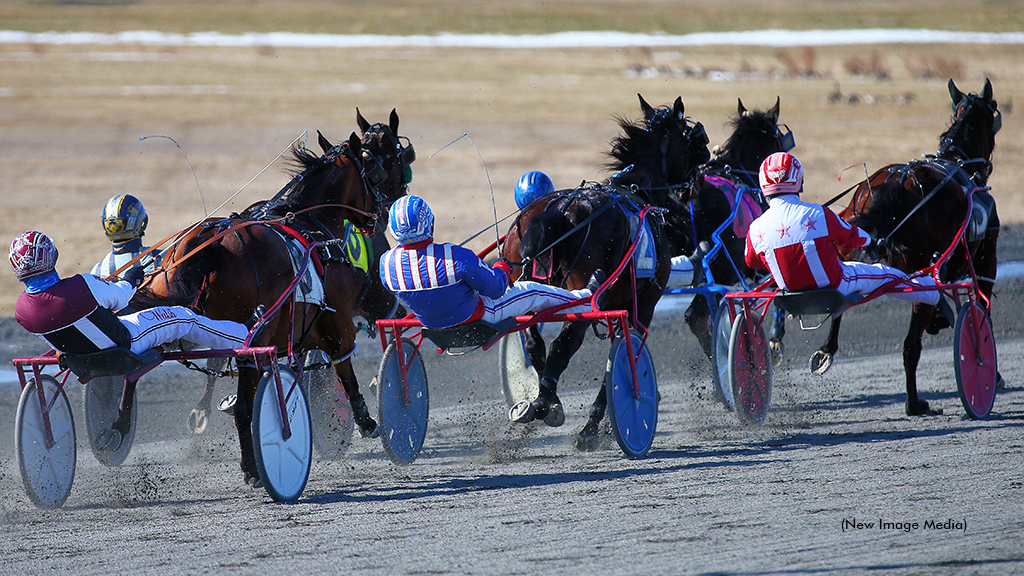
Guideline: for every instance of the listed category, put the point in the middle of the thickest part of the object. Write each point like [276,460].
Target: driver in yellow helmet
[124,222]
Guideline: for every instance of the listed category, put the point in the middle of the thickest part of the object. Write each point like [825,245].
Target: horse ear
[393,122]
[646,108]
[677,107]
[774,110]
[955,92]
[354,144]
[324,142]
[740,108]
[986,92]
[363,124]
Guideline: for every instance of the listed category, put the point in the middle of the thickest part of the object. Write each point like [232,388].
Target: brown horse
[562,238]
[226,277]
[916,209]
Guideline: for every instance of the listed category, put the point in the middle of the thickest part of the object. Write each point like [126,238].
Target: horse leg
[248,378]
[697,317]
[777,334]
[547,406]
[199,417]
[535,348]
[912,356]
[368,427]
[112,438]
[821,359]
[588,440]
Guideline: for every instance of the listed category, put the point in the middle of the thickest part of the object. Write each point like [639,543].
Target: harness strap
[949,176]
[614,201]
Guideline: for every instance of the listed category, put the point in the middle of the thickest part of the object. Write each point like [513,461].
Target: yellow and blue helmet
[124,218]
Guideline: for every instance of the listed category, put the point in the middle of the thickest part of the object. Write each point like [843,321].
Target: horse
[226,267]
[659,155]
[755,136]
[916,209]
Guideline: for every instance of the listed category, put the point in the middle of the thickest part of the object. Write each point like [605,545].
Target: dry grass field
[71,115]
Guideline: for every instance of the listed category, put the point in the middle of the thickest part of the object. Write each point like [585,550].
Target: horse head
[660,153]
[755,136]
[389,158]
[972,135]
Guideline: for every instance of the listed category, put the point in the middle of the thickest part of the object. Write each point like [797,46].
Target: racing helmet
[531,186]
[32,253]
[124,218]
[781,173]
[410,220]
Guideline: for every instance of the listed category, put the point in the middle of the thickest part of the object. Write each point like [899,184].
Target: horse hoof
[587,442]
[820,362]
[109,440]
[921,408]
[373,386]
[1000,383]
[253,480]
[197,420]
[555,416]
[374,431]
[778,353]
[227,404]
[521,412]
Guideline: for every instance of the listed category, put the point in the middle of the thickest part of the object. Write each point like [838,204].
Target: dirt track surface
[488,497]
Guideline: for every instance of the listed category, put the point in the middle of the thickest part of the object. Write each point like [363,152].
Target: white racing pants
[865,278]
[156,326]
[525,296]
[681,273]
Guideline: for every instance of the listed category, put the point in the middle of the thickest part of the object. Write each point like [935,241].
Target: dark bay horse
[225,275]
[755,136]
[916,209]
[659,155]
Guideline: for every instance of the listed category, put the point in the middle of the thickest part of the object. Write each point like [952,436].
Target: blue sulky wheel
[750,368]
[102,400]
[46,471]
[634,417]
[283,463]
[519,380]
[974,360]
[720,334]
[404,422]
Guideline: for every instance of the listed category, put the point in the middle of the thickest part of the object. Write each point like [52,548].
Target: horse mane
[753,133]
[635,146]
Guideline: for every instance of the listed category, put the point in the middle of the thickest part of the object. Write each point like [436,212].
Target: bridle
[693,133]
[960,112]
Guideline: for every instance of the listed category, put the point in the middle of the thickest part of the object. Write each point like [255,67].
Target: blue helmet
[124,218]
[410,220]
[531,186]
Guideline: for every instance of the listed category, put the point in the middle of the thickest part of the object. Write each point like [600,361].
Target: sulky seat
[110,362]
[814,302]
[468,335]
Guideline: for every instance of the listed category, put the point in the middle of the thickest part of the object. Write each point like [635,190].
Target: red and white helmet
[781,173]
[32,253]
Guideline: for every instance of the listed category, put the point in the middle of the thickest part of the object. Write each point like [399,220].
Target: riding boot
[368,427]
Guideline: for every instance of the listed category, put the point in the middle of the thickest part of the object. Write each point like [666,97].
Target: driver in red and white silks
[446,285]
[75,315]
[797,241]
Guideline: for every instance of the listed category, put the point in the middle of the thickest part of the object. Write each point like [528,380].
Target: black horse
[564,237]
[916,209]
[755,136]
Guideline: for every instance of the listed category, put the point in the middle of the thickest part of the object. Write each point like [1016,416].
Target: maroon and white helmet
[32,253]
[781,173]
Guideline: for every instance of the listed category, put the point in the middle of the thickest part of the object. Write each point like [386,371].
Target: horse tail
[538,243]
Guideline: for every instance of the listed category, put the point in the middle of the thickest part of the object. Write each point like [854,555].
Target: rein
[615,200]
[949,176]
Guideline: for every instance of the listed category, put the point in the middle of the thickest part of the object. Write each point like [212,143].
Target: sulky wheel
[403,417]
[102,401]
[974,360]
[750,367]
[720,334]
[519,380]
[46,471]
[333,423]
[283,463]
[633,410]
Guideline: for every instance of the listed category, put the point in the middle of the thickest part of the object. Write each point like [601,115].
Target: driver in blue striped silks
[446,285]
[124,222]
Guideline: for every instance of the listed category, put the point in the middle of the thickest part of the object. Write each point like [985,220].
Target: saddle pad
[749,208]
[645,257]
[356,248]
[310,289]
[981,215]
